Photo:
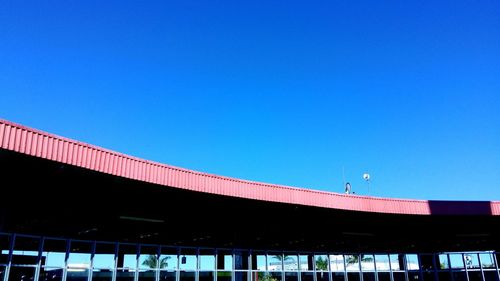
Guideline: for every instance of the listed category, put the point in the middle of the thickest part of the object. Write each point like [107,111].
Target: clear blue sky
[285,92]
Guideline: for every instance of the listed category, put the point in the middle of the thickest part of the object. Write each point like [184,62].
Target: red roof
[37,143]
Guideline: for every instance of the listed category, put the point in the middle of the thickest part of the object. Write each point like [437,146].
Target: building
[71,211]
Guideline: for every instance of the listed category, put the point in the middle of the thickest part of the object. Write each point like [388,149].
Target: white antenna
[348,188]
[366,177]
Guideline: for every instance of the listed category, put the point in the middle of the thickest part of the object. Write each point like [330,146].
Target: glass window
[306,262]
[397,262]
[275,262]
[168,258]
[147,274]
[4,249]
[21,273]
[338,276]
[321,262]
[471,260]
[487,260]
[241,260]
[259,262]
[427,263]
[51,274]
[240,276]
[127,257]
[337,263]
[352,262]
[224,275]
[188,260]
[290,263]
[444,275]
[322,276]
[382,262]
[292,276]
[442,262]
[104,257]
[79,255]
[207,260]
[384,276]
[149,257]
[274,276]
[25,251]
[456,261]
[307,276]
[207,275]
[2,272]
[54,253]
[167,275]
[412,262]
[224,260]
[367,263]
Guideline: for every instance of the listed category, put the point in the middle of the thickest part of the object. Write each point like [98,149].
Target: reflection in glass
[459,275]
[290,262]
[224,260]
[127,257]
[79,258]
[147,275]
[291,276]
[338,276]
[442,261]
[18,273]
[322,276]
[207,276]
[51,274]
[102,274]
[384,276]
[475,275]
[241,260]
[25,251]
[429,276]
[490,275]
[240,276]
[223,275]
[397,262]
[306,262]
[352,263]
[275,262]
[487,260]
[149,258]
[274,276]
[258,261]
[167,275]
[169,258]
[125,274]
[79,274]
[337,263]
[399,276]
[456,261]
[307,276]
[382,262]
[104,262]
[353,276]
[321,262]
[444,276]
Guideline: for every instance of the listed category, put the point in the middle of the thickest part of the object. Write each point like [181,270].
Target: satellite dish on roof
[366,176]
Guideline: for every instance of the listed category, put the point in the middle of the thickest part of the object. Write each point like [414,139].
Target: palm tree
[282,257]
[152,261]
[321,264]
[352,259]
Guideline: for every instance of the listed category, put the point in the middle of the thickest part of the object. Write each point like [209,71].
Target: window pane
[77,274]
[274,261]
[459,275]
[397,262]
[258,261]
[188,260]
[290,262]
[399,276]
[240,260]
[79,256]
[4,249]
[457,261]
[148,258]
[490,275]
[102,274]
[384,276]
[25,251]
[444,276]
[51,274]
[240,276]
[367,263]
[207,260]
[127,257]
[412,262]
[147,275]
[207,275]
[21,273]
[471,260]
[322,276]
[382,262]
[475,275]
[338,276]
[224,260]
[2,272]
[224,276]
[307,276]
[306,262]
[54,253]
[442,262]
[352,264]
[104,257]
[337,263]
[167,275]
[353,276]
[125,274]
[427,262]
[169,258]
[292,276]
[487,260]
[274,276]
[321,262]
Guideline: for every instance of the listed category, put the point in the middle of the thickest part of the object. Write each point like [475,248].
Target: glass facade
[30,258]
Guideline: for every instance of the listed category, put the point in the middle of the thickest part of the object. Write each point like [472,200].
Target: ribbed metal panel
[36,143]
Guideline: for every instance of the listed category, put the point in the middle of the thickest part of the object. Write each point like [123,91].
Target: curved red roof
[37,143]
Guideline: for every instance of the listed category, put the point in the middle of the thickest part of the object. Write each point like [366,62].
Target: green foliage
[321,264]
[152,262]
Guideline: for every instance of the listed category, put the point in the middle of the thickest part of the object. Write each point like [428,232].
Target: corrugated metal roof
[29,141]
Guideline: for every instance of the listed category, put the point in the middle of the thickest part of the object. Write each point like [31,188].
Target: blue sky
[286,92]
